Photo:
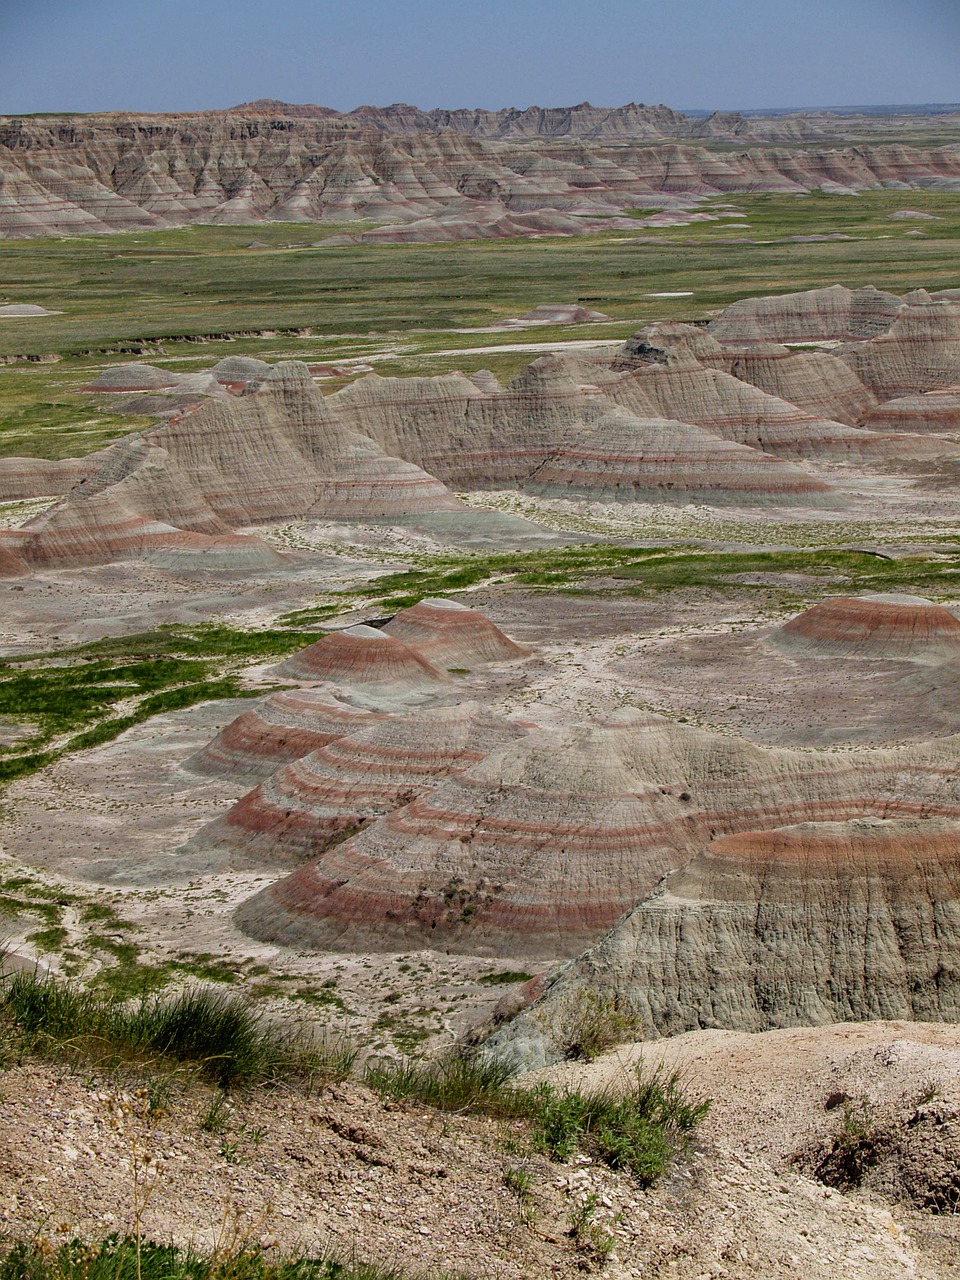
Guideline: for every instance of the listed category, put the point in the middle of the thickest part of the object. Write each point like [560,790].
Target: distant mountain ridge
[635,121]
[444,175]
[632,122]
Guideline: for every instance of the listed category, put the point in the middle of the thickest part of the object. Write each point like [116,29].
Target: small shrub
[590,1022]
[505,978]
[591,1233]
[853,1149]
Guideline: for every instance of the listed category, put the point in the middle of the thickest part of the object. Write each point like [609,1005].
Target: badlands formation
[444,175]
[722,815]
[728,414]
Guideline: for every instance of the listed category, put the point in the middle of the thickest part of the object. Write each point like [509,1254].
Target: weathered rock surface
[233,462]
[675,414]
[805,924]
[872,626]
[538,849]
[133,376]
[919,352]
[43,477]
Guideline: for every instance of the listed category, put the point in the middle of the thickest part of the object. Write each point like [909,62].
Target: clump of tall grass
[120,1258]
[220,1035]
[639,1129]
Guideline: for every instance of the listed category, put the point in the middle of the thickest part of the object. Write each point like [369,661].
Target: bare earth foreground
[632,685]
[342,1168]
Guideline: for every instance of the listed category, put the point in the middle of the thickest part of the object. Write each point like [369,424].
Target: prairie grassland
[159,294]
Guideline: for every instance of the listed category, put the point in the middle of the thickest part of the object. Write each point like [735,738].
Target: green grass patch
[640,570]
[640,1129]
[128,1258]
[77,690]
[217,1034]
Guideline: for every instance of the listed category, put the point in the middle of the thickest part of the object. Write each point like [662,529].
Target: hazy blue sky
[168,55]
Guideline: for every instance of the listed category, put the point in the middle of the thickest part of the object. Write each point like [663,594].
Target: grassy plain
[160,294]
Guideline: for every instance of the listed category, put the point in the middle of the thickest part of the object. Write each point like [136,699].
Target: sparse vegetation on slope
[219,1035]
[640,1129]
[81,688]
[124,1258]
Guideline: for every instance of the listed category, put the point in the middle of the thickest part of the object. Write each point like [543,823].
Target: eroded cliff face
[728,416]
[799,925]
[96,174]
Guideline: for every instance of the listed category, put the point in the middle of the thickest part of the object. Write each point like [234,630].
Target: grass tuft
[125,1258]
[218,1034]
[639,1130]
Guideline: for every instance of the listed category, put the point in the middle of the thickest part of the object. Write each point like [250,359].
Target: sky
[187,55]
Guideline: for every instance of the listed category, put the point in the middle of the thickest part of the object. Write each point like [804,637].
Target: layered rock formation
[95,174]
[675,414]
[836,314]
[872,626]
[362,657]
[799,925]
[450,635]
[936,411]
[278,729]
[277,454]
[919,351]
[312,803]
[545,844]
[22,478]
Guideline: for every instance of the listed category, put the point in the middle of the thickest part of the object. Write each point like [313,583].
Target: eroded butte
[637,679]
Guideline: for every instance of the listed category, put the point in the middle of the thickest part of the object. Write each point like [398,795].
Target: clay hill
[383,727]
[543,845]
[725,415]
[797,925]
[874,626]
[452,174]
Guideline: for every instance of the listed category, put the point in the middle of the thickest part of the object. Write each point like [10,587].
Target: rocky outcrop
[872,626]
[542,847]
[278,729]
[624,458]
[312,803]
[96,174]
[796,926]
[660,377]
[133,376]
[276,454]
[24,478]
